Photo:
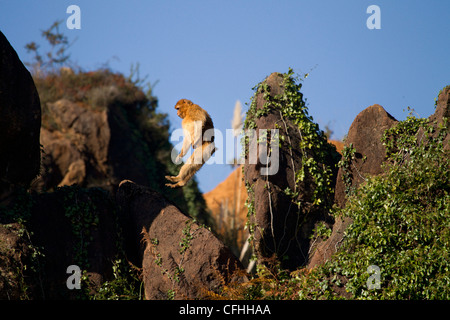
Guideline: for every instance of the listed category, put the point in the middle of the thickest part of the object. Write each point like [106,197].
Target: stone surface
[180,259]
[282,228]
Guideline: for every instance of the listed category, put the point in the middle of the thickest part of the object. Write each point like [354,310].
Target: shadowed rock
[20,121]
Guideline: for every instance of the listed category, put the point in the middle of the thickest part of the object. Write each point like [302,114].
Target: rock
[179,258]
[100,141]
[285,211]
[365,135]
[20,121]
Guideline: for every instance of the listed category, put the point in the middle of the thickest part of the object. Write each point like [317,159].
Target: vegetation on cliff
[397,246]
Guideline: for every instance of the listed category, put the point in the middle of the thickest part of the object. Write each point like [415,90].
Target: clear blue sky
[214,52]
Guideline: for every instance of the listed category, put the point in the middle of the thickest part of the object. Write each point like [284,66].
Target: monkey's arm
[196,134]
[186,141]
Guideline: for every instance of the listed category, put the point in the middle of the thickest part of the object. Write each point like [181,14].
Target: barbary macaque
[198,131]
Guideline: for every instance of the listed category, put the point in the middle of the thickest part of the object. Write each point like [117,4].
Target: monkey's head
[182,106]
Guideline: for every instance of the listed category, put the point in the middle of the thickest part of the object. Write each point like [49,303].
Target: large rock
[20,121]
[283,221]
[365,135]
[179,258]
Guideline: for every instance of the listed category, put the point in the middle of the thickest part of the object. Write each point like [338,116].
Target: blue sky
[214,52]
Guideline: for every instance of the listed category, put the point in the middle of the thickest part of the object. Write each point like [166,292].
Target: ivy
[348,155]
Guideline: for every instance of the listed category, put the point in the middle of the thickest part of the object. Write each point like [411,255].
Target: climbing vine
[348,155]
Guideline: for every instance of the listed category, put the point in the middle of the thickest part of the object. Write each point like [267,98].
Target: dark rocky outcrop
[179,258]
[285,212]
[20,121]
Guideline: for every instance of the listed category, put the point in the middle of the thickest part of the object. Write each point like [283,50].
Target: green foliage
[322,231]
[28,270]
[401,219]
[348,155]
[185,242]
[126,285]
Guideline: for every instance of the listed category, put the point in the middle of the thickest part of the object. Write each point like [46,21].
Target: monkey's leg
[173,178]
[188,173]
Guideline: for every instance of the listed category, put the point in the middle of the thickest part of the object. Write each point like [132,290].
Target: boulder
[180,259]
[20,121]
[285,212]
[365,135]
